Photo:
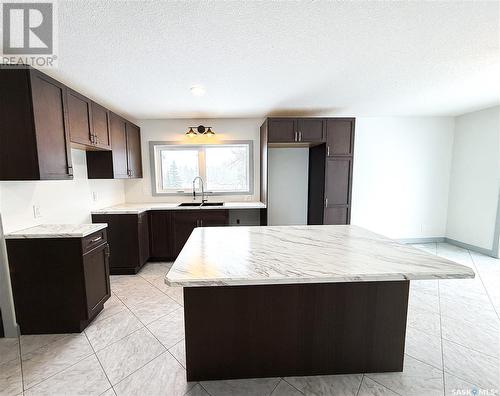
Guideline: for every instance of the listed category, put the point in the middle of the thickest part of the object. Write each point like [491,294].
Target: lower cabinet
[185,221]
[169,230]
[59,284]
[128,236]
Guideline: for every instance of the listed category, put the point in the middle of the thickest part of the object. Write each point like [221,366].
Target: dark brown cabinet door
[310,130]
[282,130]
[134,150]
[119,145]
[185,221]
[53,148]
[100,126]
[336,215]
[213,218]
[79,118]
[143,237]
[339,137]
[96,276]
[338,190]
[161,234]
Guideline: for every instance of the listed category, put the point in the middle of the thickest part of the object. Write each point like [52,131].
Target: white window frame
[156,169]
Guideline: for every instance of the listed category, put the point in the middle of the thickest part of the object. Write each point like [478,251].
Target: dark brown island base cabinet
[59,284]
[128,237]
[331,149]
[41,119]
[34,135]
[124,161]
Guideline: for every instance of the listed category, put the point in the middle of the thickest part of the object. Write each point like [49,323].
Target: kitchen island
[297,300]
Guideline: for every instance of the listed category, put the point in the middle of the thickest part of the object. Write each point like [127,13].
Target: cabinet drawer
[93,240]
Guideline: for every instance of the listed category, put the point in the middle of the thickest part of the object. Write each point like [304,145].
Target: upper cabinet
[40,119]
[79,119]
[339,137]
[100,126]
[88,122]
[34,135]
[296,130]
[281,130]
[124,161]
[134,150]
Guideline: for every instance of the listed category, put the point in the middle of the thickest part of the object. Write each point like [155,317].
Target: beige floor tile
[346,385]
[11,383]
[424,347]
[285,389]
[162,376]
[417,379]
[154,308]
[372,388]
[85,378]
[54,358]
[178,351]
[9,349]
[169,329]
[426,321]
[104,332]
[482,336]
[243,387]
[471,366]
[129,354]
[30,343]
[197,390]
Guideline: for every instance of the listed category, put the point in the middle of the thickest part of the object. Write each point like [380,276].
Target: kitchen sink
[198,204]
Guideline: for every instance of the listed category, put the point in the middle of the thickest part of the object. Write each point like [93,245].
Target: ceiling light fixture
[198,90]
[207,131]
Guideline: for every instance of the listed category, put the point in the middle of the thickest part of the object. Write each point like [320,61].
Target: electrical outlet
[95,197]
[37,213]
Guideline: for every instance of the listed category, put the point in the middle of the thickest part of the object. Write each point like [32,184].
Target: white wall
[401,175]
[139,190]
[60,201]
[474,181]
[288,185]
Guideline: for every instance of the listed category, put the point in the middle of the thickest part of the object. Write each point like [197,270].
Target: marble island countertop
[220,256]
[57,231]
[136,208]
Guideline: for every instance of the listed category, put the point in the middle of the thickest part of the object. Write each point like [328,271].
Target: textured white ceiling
[259,58]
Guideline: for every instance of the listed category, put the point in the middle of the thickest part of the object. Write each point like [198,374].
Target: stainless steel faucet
[203,199]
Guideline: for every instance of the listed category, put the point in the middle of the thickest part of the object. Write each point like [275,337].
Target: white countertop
[57,231]
[302,254]
[136,208]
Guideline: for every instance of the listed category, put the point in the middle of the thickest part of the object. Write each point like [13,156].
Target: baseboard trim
[477,249]
[421,240]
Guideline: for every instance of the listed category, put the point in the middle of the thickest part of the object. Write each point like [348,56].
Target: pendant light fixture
[201,130]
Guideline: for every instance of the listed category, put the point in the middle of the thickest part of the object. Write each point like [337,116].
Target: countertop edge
[24,234]
[336,279]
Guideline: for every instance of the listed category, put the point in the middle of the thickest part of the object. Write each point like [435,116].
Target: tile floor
[136,347]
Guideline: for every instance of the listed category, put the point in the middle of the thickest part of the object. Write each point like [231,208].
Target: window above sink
[226,168]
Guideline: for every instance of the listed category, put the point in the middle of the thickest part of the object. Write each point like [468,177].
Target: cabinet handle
[295,137]
[326,201]
[328,151]
[300,136]
[201,222]
[96,239]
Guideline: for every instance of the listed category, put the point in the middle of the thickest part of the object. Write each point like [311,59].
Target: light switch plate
[37,213]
